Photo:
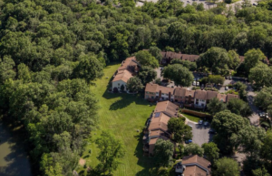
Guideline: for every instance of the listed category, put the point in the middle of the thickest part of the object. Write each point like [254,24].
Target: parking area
[201,133]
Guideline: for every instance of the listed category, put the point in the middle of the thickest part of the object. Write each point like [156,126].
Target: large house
[157,124]
[128,69]
[194,98]
[193,165]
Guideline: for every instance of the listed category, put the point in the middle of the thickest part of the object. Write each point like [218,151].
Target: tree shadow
[14,160]
[147,162]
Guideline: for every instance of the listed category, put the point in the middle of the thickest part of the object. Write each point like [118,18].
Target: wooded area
[52,49]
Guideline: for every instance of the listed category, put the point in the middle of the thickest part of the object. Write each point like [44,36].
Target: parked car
[212,131]
[197,83]
[200,122]
[206,123]
[189,141]
[194,83]
[226,88]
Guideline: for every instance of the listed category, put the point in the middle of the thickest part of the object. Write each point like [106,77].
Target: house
[193,165]
[128,69]
[155,92]
[200,100]
[157,124]
[189,98]
[168,108]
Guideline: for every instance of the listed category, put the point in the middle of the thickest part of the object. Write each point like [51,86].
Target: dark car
[212,131]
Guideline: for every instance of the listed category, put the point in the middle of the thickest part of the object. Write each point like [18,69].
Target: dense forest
[51,50]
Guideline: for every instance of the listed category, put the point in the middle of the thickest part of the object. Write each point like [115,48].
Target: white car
[227,88]
[194,83]
[197,83]
[200,122]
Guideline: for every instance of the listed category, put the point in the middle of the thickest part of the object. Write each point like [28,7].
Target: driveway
[200,133]
[254,118]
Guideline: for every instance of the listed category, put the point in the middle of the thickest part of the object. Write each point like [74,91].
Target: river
[14,160]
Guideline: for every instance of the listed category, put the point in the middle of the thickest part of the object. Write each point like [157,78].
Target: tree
[227,124]
[227,167]
[156,52]
[111,150]
[23,73]
[251,139]
[134,84]
[6,69]
[216,79]
[147,74]
[264,98]
[239,107]
[266,150]
[234,59]
[146,59]
[181,131]
[193,149]
[211,151]
[179,74]
[185,63]
[252,58]
[216,59]
[215,106]
[260,75]
[241,88]
[260,172]
[163,152]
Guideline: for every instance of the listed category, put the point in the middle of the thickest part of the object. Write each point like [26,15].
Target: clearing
[123,115]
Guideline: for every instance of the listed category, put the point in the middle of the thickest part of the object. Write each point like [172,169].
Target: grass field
[123,115]
[192,118]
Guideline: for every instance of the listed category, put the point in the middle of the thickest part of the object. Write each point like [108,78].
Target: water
[14,160]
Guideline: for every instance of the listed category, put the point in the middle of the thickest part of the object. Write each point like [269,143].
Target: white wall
[200,102]
[118,84]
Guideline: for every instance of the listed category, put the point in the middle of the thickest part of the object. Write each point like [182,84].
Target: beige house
[157,124]
[128,69]
[193,98]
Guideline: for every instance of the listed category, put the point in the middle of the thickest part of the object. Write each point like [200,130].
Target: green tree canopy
[181,131]
[215,105]
[239,107]
[146,59]
[147,74]
[134,84]
[260,75]
[227,167]
[264,98]
[179,74]
[111,150]
[216,60]
[185,63]
[163,152]
[211,151]
[156,52]
[227,124]
[193,149]
[253,57]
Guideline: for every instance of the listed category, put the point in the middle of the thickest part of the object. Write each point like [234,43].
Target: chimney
[159,94]
[169,96]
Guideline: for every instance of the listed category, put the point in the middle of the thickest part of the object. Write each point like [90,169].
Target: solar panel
[157,114]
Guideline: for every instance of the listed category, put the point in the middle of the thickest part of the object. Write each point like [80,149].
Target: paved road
[200,133]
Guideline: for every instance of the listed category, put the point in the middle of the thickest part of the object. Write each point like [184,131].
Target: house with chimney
[182,95]
[193,165]
[156,127]
[128,69]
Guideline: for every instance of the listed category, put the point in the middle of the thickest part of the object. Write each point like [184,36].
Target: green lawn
[123,115]
[192,118]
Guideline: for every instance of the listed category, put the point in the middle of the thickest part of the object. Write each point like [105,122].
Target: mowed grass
[123,115]
[191,117]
